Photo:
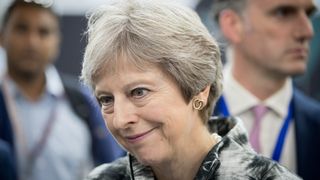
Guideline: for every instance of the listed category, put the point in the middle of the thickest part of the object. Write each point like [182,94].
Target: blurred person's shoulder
[306,106]
[70,81]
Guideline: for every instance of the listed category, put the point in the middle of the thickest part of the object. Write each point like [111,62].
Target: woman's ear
[204,94]
[231,25]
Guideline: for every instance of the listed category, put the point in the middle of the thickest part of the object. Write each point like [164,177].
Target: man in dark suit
[268,44]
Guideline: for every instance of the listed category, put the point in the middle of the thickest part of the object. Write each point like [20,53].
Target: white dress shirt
[240,101]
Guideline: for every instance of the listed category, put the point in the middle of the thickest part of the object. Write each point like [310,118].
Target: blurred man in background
[268,44]
[51,125]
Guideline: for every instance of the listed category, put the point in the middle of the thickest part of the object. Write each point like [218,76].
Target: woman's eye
[139,92]
[105,100]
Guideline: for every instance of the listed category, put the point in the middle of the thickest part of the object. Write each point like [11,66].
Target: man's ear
[231,25]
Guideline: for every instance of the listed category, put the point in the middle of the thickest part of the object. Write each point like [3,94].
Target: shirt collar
[54,84]
[279,101]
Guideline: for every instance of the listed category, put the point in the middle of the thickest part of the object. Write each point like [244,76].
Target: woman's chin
[150,159]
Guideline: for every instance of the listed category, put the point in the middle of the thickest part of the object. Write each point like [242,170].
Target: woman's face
[146,113]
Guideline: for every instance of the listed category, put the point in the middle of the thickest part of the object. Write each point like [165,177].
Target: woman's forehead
[126,63]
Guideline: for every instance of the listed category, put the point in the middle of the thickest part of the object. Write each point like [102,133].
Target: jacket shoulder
[80,101]
[305,107]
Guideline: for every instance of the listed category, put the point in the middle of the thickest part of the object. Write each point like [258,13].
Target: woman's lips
[138,137]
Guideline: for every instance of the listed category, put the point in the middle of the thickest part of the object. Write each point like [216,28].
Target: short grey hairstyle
[168,35]
[219,5]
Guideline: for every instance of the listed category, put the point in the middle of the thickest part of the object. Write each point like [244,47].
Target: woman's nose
[125,114]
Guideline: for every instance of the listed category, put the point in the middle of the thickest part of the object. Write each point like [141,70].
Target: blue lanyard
[283,132]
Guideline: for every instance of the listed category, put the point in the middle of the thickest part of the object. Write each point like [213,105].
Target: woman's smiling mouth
[138,137]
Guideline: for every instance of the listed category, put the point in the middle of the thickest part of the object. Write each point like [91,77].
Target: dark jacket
[306,115]
[7,163]
[231,158]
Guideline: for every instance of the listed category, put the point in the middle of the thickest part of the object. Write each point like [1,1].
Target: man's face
[31,39]
[276,35]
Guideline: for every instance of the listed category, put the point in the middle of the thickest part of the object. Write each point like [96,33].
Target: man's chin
[298,73]
[29,73]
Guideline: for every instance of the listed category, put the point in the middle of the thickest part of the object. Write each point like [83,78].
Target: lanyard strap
[38,148]
[283,131]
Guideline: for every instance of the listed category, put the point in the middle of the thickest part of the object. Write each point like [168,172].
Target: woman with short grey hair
[172,37]
[156,73]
